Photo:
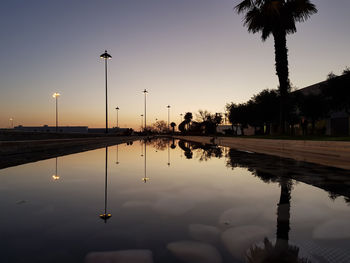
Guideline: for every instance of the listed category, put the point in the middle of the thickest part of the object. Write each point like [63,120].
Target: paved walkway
[19,152]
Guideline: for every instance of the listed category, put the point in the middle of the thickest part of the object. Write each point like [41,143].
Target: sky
[189,54]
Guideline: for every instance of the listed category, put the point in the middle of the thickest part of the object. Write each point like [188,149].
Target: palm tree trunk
[281,64]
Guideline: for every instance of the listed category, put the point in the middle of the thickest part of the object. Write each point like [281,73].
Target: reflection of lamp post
[141,149]
[168,153]
[145,178]
[117,108]
[117,161]
[141,121]
[145,92]
[56,95]
[55,177]
[106,216]
[168,117]
[106,56]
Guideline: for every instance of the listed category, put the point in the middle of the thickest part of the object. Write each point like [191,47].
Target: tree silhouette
[277,18]
[188,118]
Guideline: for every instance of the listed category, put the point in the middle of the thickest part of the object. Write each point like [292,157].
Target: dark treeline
[302,108]
[206,123]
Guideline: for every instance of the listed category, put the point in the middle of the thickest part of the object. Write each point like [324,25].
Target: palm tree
[173,124]
[276,18]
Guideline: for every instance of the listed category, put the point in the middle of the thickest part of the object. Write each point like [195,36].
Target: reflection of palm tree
[106,215]
[187,151]
[173,146]
[281,251]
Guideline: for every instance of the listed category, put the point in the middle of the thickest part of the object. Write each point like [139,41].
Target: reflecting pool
[173,201]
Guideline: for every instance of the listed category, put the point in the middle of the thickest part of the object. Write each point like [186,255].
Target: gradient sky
[190,54]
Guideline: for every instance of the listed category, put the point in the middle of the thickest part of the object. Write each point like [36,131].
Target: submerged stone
[204,233]
[237,240]
[121,256]
[195,252]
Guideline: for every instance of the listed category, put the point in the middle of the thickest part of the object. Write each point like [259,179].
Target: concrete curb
[335,154]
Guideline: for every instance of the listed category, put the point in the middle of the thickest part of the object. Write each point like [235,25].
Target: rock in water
[238,239]
[195,252]
[204,233]
[121,256]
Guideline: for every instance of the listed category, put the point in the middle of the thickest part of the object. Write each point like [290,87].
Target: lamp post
[11,125]
[117,108]
[141,121]
[168,117]
[106,56]
[56,95]
[145,92]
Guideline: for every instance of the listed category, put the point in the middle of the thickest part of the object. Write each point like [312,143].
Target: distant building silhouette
[338,122]
[46,128]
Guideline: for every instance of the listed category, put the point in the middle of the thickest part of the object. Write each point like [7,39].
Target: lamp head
[105,55]
[56,94]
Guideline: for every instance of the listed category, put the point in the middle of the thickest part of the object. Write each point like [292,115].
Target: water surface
[171,201]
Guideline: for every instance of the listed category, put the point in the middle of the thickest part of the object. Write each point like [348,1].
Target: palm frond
[244,6]
[301,10]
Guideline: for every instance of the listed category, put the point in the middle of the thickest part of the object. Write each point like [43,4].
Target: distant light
[56,94]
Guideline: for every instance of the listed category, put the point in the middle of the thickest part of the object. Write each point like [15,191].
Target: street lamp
[145,92]
[11,120]
[56,95]
[106,56]
[168,117]
[141,121]
[117,108]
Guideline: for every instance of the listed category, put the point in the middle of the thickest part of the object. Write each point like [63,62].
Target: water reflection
[169,153]
[207,209]
[55,177]
[145,179]
[117,152]
[243,241]
[105,216]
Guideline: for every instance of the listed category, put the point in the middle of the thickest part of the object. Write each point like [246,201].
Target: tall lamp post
[141,121]
[56,95]
[168,117]
[145,92]
[11,121]
[117,108]
[106,56]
